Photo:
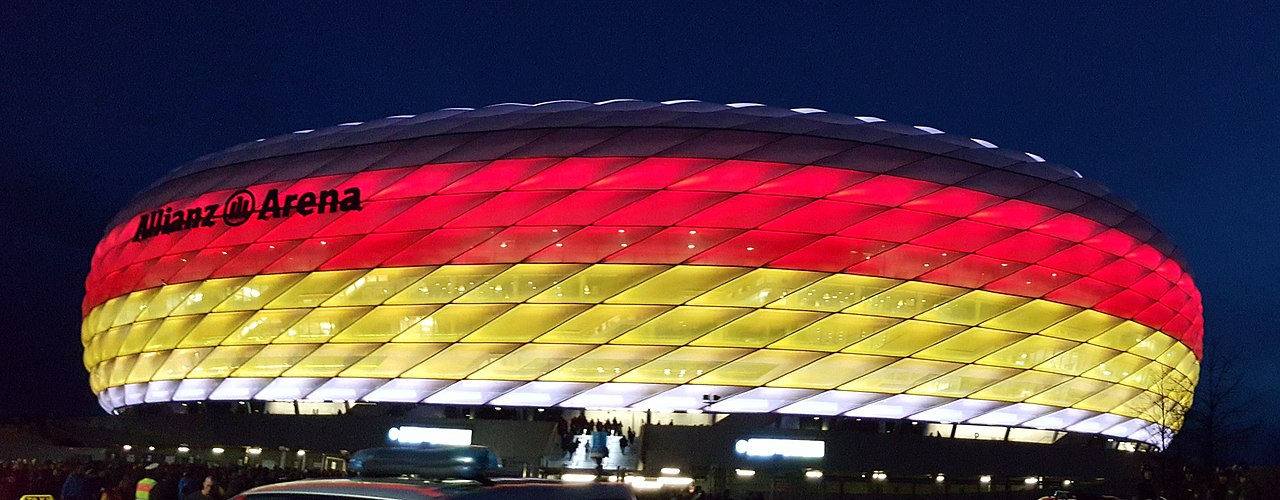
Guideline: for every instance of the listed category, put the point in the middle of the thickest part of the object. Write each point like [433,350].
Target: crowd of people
[569,428]
[129,481]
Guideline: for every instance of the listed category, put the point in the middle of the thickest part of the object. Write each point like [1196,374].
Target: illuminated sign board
[243,206]
[407,434]
[791,448]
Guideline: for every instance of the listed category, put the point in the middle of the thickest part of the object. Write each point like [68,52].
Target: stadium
[683,259]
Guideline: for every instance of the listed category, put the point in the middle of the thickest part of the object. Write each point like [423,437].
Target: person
[622,443]
[208,491]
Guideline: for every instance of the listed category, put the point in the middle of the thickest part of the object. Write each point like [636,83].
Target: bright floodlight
[767,447]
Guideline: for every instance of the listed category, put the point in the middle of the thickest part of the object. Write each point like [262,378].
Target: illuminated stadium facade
[661,256]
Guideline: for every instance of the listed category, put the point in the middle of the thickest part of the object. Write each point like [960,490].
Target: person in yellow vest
[143,491]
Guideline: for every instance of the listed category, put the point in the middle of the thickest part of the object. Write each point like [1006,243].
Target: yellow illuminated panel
[606,362]
[258,292]
[524,322]
[377,286]
[972,308]
[1078,360]
[170,332]
[597,283]
[320,325]
[682,365]
[222,361]
[313,289]
[1021,386]
[1083,326]
[680,325]
[757,288]
[520,282]
[963,382]
[391,360]
[120,370]
[831,371]
[459,360]
[1032,316]
[530,362]
[274,359]
[757,368]
[211,330]
[601,324]
[384,323]
[1155,345]
[834,332]
[209,294]
[452,322]
[1117,368]
[329,360]
[180,362]
[1123,337]
[1148,376]
[834,293]
[970,345]
[905,338]
[134,305]
[137,336]
[168,298]
[1069,393]
[1029,352]
[145,365]
[1110,399]
[446,283]
[758,328]
[906,300]
[677,285]
[900,376]
[265,326]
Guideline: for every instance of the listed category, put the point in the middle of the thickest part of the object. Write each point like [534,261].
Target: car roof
[418,489]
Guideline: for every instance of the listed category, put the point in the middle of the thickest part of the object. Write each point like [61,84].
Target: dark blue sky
[1175,107]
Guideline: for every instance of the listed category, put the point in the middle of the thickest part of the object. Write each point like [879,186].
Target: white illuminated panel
[105,402]
[897,407]
[1097,424]
[958,411]
[1127,428]
[688,397]
[761,400]
[1060,419]
[471,392]
[115,395]
[1013,414]
[288,389]
[831,403]
[135,394]
[407,434]
[768,447]
[193,389]
[345,389]
[160,391]
[614,395]
[541,393]
[406,390]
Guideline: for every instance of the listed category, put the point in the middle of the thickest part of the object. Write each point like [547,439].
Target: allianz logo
[242,206]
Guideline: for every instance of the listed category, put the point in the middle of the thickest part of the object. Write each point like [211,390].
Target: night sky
[1174,107]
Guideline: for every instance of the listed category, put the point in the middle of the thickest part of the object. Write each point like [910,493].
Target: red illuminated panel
[1155,316]
[1170,270]
[886,190]
[251,260]
[428,179]
[822,217]
[1016,214]
[1146,256]
[972,271]
[506,208]
[653,173]
[1177,326]
[371,250]
[583,207]
[1112,241]
[1125,304]
[434,211]
[953,201]
[370,215]
[1070,227]
[1078,259]
[1084,292]
[513,244]
[1025,247]
[372,183]
[1152,285]
[573,173]
[753,248]
[672,245]
[831,254]
[242,235]
[1032,281]
[964,235]
[733,176]
[207,262]
[904,262]
[1120,273]
[592,244]
[308,255]
[744,211]
[663,208]
[294,227]
[811,182]
[498,175]
[163,269]
[439,247]
[896,225]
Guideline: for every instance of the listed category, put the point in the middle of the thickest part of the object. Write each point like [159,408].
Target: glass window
[677,285]
[1123,337]
[758,328]
[213,328]
[329,360]
[831,371]
[970,345]
[520,282]
[1117,368]
[524,322]
[320,325]
[606,362]
[758,368]
[598,282]
[963,382]
[680,325]
[601,324]
[1171,357]
[1021,386]
[900,376]
[314,289]
[459,360]
[1077,360]
[834,332]
[105,314]
[834,293]
[168,298]
[904,339]
[391,360]
[265,326]
[1030,352]
[1149,377]
[273,360]
[906,300]
[973,308]
[120,371]
[682,365]
[145,365]
[209,294]
[757,288]
[377,286]
[1069,393]
[258,291]
[530,362]
[137,336]
[222,361]
[134,305]
[107,345]
[452,322]
[180,362]
[446,283]
[1033,316]
[170,331]
[1155,345]
[384,323]
[1083,326]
